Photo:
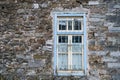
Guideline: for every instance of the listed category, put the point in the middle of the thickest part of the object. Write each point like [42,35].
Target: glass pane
[77,25]
[62,61]
[69,25]
[76,61]
[77,48]
[76,39]
[63,39]
[62,48]
[62,25]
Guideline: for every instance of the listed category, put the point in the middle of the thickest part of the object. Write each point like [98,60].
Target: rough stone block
[35,6]
[41,41]
[99,53]
[95,19]
[113,65]
[109,59]
[36,63]
[99,16]
[112,48]
[44,5]
[94,78]
[93,2]
[91,42]
[102,71]
[31,72]
[31,18]
[20,11]
[96,47]
[116,77]
[91,35]
[115,53]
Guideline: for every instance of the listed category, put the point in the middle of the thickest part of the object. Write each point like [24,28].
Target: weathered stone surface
[26,39]
[93,3]
[116,77]
[113,65]
[109,59]
[115,54]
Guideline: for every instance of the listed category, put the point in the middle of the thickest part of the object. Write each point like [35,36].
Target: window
[62,25]
[69,24]
[69,44]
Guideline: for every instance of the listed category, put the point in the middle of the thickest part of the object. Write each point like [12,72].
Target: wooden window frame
[56,31]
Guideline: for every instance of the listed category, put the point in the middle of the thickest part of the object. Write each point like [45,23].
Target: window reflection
[69,25]
[76,39]
[62,25]
[77,25]
[63,39]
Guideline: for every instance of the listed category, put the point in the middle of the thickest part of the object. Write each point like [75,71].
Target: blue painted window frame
[55,33]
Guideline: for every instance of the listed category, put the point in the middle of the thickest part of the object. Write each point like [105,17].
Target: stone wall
[26,39]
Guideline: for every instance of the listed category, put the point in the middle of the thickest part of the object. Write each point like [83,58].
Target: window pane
[76,61]
[62,48]
[77,48]
[63,39]
[69,25]
[77,25]
[76,39]
[62,25]
[62,61]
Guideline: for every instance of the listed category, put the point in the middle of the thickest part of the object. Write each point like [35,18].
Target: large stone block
[109,59]
[96,47]
[116,77]
[36,63]
[115,54]
[113,65]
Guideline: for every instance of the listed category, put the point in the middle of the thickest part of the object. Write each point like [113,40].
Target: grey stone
[91,42]
[101,42]
[109,59]
[94,72]
[20,11]
[115,53]
[95,19]
[112,48]
[44,5]
[100,16]
[31,72]
[24,64]
[110,14]
[50,42]
[36,63]
[20,71]
[100,53]
[93,78]
[102,71]
[113,65]
[48,45]
[35,6]
[116,77]
[114,29]
[93,3]
[117,6]
[20,56]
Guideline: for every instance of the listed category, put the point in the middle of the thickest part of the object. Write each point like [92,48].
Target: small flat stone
[35,5]
[20,11]
[93,2]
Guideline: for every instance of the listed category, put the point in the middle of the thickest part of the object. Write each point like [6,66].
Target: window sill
[70,73]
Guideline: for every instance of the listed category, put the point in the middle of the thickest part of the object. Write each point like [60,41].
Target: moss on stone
[37,56]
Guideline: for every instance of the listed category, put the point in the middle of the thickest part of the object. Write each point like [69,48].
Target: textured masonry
[26,39]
